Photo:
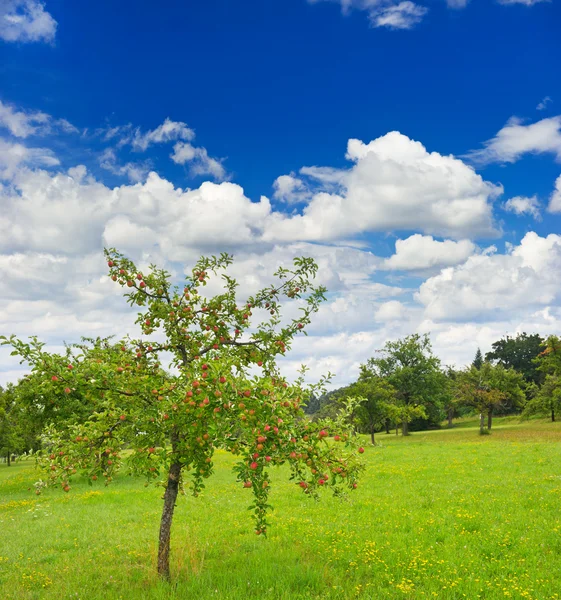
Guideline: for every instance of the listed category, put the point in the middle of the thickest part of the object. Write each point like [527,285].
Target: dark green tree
[12,415]
[478,360]
[519,353]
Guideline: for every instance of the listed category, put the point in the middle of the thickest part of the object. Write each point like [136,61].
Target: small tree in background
[545,400]
[489,388]
[376,398]
[12,419]
[226,392]
[478,360]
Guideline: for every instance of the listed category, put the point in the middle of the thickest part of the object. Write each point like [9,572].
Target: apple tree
[117,406]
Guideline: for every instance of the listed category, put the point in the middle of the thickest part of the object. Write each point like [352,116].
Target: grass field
[443,514]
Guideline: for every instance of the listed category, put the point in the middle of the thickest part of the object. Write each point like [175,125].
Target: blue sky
[219,94]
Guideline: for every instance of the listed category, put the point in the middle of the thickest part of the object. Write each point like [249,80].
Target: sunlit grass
[442,514]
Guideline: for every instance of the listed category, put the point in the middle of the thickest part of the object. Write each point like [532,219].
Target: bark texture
[170,497]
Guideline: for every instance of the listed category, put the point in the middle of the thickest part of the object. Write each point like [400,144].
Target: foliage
[415,372]
[489,388]
[518,353]
[225,391]
[546,400]
[377,402]
[478,360]
[12,431]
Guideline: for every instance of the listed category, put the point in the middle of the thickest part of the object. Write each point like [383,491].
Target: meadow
[443,514]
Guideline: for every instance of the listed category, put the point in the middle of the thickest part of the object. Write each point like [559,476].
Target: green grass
[442,514]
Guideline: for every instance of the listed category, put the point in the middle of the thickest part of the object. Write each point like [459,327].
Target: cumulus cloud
[420,252]
[523,205]
[395,184]
[516,139]
[14,155]
[555,198]
[200,163]
[54,224]
[26,21]
[290,189]
[491,285]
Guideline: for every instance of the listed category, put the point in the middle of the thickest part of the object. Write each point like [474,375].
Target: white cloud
[384,13]
[53,227]
[515,139]
[135,171]
[456,4]
[404,15]
[493,285]
[523,205]
[22,124]
[395,184]
[543,104]
[166,132]
[419,252]
[184,152]
[290,189]
[14,155]
[26,21]
[555,198]
[200,163]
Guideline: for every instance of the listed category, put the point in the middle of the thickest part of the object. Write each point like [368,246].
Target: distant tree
[377,404]
[450,403]
[489,388]
[548,360]
[546,401]
[330,403]
[313,405]
[478,360]
[12,439]
[519,353]
[415,372]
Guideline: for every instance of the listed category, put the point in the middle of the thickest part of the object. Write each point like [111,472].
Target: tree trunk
[552,414]
[9,459]
[170,496]
[450,416]
[405,428]
[387,424]
[489,419]
[481,423]
[372,435]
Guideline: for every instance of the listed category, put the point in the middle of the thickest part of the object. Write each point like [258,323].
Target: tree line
[405,386]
